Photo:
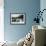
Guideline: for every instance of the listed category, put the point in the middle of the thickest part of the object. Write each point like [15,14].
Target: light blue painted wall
[30,7]
[43,6]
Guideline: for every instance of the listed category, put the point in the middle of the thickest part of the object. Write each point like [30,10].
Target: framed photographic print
[17,18]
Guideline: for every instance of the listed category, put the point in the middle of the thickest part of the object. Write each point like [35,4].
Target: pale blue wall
[30,7]
[43,6]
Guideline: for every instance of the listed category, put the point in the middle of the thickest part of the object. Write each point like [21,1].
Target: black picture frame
[17,18]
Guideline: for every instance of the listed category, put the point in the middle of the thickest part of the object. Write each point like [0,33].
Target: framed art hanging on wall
[17,18]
